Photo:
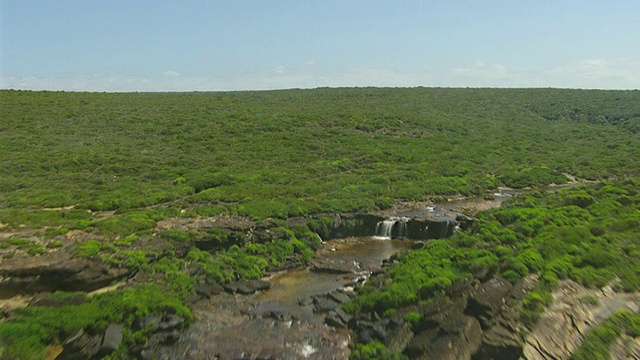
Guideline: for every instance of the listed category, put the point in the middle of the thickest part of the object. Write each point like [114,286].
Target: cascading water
[393,228]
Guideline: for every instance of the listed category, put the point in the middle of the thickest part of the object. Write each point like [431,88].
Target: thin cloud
[170,73]
[588,73]
[621,72]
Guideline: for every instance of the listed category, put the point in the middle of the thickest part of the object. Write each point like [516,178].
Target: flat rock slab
[246,287]
[112,339]
[56,272]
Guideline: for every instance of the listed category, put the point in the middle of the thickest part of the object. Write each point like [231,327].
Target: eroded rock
[562,327]
[55,272]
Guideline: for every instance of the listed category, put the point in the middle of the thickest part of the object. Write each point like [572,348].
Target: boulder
[458,338]
[334,320]
[111,339]
[324,303]
[207,290]
[156,323]
[339,297]
[488,299]
[57,271]
[80,345]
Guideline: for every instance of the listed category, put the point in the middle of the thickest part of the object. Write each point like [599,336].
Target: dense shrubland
[296,152]
[114,165]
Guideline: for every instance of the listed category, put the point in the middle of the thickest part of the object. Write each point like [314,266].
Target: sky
[211,45]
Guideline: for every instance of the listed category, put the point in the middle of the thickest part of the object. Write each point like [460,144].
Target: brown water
[271,324]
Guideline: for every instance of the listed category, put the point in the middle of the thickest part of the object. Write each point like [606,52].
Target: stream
[282,322]
[287,321]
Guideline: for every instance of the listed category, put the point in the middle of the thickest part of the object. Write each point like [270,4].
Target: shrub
[413,318]
[86,248]
[55,244]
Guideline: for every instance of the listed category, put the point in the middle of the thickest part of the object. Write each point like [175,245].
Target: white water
[395,227]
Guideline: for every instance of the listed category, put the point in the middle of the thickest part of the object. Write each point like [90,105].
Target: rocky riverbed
[289,319]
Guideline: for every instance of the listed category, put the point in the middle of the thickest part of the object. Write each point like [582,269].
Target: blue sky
[172,45]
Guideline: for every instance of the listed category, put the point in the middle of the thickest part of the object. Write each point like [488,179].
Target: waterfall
[393,228]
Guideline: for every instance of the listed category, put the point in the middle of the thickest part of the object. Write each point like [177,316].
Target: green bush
[33,328]
[86,248]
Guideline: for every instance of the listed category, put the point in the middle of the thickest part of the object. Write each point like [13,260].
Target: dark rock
[500,342]
[150,323]
[324,304]
[368,331]
[155,323]
[46,299]
[334,320]
[460,339]
[459,288]
[80,345]
[339,297]
[418,244]
[207,290]
[272,310]
[171,322]
[111,340]
[171,338]
[487,300]
[246,287]
[55,272]
[343,315]
[305,301]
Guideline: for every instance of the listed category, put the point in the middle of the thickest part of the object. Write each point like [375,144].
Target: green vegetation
[597,341]
[33,328]
[30,247]
[374,350]
[295,152]
[110,167]
[588,234]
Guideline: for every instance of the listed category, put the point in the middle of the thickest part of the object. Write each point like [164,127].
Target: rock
[305,301]
[111,340]
[80,345]
[488,299]
[324,304]
[247,287]
[368,331]
[500,342]
[332,266]
[155,323]
[337,318]
[332,319]
[207,290]
[565,322]
[272,310]
[398,336]
[46,299]
[418,244]
[458,339]
[339,297]
[57,271]
[343,315]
